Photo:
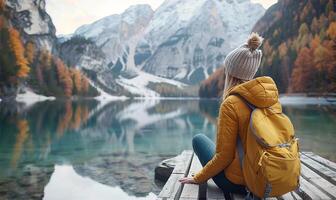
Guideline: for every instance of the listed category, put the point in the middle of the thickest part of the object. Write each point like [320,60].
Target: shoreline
[30,98]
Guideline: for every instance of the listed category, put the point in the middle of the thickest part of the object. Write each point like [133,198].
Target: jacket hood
[261,92]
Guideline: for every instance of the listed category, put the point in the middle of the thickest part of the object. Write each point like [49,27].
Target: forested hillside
[13,63]
[299,47]
[21,63]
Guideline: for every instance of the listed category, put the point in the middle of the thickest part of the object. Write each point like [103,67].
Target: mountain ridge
[177,41]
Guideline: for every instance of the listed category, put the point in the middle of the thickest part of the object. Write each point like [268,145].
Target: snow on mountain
[182,40]
[188,41]
[139,84]
[28,97]
[115,34]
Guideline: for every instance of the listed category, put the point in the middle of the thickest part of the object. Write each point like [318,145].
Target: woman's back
[261,92]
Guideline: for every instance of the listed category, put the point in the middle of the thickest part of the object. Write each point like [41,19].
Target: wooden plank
[290,196]
[321,160]
[309,191]
[296,196]
[214,192]
[237,196]
[191,191]
[173,188]
[319,168]
[184,162]
[318,181]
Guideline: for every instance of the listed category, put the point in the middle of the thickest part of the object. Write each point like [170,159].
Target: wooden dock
[318,181]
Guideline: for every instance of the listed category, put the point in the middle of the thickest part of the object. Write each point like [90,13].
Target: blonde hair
[230,82]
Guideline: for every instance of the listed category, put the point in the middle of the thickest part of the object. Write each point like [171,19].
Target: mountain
[29,60]
[187,42]
[179,44]
[106,53]
[34,23]
[117,35]
[140,52]
[298,50]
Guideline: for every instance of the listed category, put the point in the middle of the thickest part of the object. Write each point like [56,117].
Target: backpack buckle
[286,145]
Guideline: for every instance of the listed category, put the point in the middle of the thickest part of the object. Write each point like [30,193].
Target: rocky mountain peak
[187,42]
[34,23]
[181,40]
[134,13]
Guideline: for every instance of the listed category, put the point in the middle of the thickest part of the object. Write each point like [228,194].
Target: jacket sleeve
[227,131]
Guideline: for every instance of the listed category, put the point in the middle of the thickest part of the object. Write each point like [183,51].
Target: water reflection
[65,183]
[114,146]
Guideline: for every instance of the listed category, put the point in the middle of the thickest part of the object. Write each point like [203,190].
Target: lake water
[94,150]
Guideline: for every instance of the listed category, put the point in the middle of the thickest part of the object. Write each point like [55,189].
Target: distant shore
[29,98]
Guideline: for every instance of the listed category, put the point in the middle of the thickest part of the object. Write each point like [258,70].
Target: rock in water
[165,168]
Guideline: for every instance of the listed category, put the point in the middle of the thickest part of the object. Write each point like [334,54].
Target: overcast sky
[68,15]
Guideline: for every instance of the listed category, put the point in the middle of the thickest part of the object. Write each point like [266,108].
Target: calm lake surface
[60,150]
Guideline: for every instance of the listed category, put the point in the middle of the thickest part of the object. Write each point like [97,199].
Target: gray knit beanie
[243,62]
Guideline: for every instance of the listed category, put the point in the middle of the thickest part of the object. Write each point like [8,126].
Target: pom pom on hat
[254,41]
[244,61]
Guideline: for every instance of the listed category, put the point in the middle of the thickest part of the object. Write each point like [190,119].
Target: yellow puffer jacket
[233,119]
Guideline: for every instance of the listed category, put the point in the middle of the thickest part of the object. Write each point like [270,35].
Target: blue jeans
[204,148]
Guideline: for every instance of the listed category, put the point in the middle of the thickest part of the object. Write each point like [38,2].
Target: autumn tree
[331,59]
[2,22]
[283,50]
[85,84]
[18,50]
[303,37]
[77,79]
[332,32]
[315,25]
[13,64]
[64,77]
[45,59]
[302,75]
[320,56]
[2,5]
[30,52]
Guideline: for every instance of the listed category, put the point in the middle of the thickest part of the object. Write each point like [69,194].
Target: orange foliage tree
[18,50]
[64,77]
[30,52]
[2,5]
[2,22]
[77,79]
[303,70]
[85,84]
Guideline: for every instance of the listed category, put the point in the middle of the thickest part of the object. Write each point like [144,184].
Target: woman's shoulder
[231,100]
[235,104]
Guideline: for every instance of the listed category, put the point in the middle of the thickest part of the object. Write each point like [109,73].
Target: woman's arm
[227,131]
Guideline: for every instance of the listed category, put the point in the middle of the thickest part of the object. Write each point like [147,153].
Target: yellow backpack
[271,164]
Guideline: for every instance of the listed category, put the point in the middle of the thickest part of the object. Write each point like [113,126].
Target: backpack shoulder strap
[240,148]
[240,151]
